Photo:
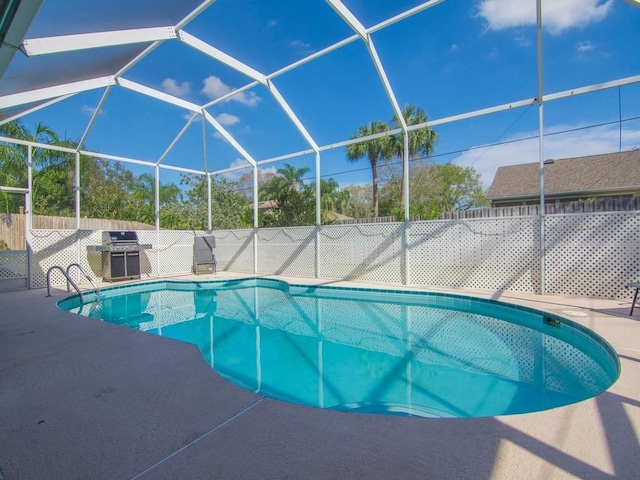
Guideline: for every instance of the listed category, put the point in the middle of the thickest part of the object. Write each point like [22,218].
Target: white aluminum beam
[229,138]
[181,169]
[46,93]
[67,43]
[94,116]
[13,189]
[292,116]
[287,156]
[178,137]
[233,93]
[475,113]
[356,25]
[350,18]
[592,88]
[386,84]
[194,13]
[219,55]
[116,158]
[28,143]
[403,15]
[158,95]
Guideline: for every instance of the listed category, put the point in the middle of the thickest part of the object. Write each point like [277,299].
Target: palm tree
[374,149]
[287,178]
[421,142]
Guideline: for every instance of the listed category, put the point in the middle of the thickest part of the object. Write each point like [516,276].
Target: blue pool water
[364,350]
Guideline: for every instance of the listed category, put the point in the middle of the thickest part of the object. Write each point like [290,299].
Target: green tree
[436,188]
[228,207]
[374,150]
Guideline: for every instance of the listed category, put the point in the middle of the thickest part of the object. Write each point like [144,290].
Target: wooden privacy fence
[608,204]
[12,227]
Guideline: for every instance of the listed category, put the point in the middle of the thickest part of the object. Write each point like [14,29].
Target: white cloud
[87,110]
[578,143]
[226,119]
[523,41]
[557,15]
[272,23]
[303,47]
[237,174]
[454,48]
[214,88]
[172,87]
[583,47]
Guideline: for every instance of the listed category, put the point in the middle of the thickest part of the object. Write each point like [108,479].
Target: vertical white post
[255,219]
[156,210]
[208,202]
[318,213]
[76,188]
[28,219]
[541,143]
[407,225]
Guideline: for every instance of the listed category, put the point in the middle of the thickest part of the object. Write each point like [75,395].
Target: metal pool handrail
[69,281]
[87,276]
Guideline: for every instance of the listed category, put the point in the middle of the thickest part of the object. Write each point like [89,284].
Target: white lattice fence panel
[234,250]
[13,264]
[90,261]
[364,252]
[494,253]
[175,251]
[592,255]
[148,256]
[52,247]
[287,251]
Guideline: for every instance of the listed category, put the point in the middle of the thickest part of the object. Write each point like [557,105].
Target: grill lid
[110,238]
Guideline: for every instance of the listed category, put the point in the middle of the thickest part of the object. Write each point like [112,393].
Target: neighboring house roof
[581,175]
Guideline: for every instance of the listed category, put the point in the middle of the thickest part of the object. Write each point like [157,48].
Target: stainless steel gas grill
[120,255]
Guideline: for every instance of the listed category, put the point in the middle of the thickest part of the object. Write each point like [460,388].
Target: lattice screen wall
[370,252]
[234,250]
[287,251]
[593,255]
[492,253]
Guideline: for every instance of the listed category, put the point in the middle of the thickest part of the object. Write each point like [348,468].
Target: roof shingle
[592,174]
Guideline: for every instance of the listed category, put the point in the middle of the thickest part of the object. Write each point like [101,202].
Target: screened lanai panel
[136,126]
[587,55]
[341,92]
[461,68]
[261,127]
[65,17]
[591,124]
[259,29]
[190,75]
[487,142]
[68,118]
[383,10]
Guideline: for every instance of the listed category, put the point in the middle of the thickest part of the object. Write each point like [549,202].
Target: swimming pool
[368,350]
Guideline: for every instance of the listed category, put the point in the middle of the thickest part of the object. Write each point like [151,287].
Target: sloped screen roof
[211,85]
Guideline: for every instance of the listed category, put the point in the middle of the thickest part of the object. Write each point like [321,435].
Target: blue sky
[456,57]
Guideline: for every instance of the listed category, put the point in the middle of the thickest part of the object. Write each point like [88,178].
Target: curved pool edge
[294,287]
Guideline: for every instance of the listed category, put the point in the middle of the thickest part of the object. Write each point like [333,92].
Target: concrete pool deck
[83,399]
